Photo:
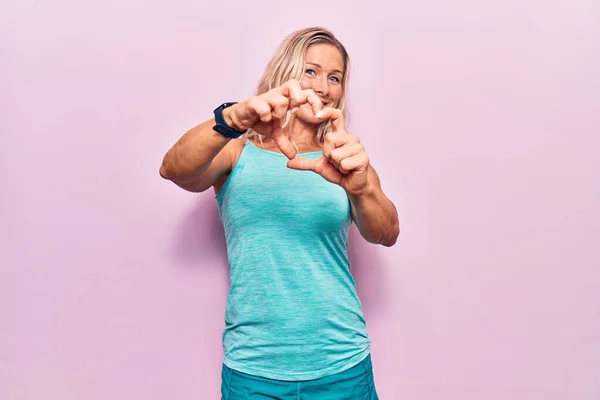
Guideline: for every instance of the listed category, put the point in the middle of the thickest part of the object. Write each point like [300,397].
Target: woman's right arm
[201,156]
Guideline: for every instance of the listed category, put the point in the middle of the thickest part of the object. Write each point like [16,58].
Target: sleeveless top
[292,310]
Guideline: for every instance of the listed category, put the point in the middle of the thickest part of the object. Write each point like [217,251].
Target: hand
[265,113]
[344,161]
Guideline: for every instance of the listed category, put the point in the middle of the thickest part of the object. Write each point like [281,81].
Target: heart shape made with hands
[265,113]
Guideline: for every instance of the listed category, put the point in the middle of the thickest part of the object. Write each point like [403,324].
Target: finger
[321,166]
[279,104]
[353,139]
[292,90]
[355,163]
[335,115]
[298,97]
[306,164]
[332,141]
[315,102]
[345,151]
[284,143]
[262,109]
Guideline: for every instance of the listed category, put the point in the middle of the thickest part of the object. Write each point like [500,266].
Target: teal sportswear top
[292,311]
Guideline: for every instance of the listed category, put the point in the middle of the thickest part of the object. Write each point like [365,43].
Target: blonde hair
[289,63]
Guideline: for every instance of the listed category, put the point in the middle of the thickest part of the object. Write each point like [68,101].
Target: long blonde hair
[289,63]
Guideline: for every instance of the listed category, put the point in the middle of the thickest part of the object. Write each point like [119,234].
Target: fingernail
[319,114]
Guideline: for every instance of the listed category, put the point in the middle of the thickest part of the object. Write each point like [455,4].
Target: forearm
[193,153]
[376,216]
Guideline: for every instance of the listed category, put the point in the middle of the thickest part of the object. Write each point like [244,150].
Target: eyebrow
[318,66]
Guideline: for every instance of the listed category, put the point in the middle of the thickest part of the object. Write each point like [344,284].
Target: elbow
[385,236]
[392,237]
[164,171]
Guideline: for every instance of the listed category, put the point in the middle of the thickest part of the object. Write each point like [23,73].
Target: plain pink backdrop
[481,117]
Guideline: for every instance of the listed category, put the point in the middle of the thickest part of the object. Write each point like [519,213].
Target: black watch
[222,127]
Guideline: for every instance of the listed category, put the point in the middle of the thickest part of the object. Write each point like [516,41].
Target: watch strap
[222,126]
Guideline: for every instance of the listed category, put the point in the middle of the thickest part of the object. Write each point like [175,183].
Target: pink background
[481,117]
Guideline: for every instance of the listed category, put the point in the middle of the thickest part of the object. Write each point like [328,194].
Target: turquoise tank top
[292,311]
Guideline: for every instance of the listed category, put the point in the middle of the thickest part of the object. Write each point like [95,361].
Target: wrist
[366,192]
[231,118]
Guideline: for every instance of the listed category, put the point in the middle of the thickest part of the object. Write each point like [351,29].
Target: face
[323,74]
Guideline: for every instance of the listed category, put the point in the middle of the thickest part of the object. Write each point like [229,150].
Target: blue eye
[310,72]
[335,79]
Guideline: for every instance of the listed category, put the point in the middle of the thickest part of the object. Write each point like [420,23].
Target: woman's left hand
[344,161]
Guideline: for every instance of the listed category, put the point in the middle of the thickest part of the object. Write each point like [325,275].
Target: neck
[302,134]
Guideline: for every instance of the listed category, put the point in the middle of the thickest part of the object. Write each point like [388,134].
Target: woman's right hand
[265,113]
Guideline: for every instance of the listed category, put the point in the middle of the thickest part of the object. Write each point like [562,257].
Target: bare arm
[375,215]
[200,157]
[346,163]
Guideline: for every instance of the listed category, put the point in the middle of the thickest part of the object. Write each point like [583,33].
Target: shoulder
[236,146]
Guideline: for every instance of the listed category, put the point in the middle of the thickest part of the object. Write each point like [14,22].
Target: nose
[321,87]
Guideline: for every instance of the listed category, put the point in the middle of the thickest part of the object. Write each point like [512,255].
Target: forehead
[326,55]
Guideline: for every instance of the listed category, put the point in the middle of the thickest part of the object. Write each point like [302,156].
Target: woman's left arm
[375,215]
[346,163]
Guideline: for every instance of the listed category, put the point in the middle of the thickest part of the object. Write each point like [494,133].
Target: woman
[294,323]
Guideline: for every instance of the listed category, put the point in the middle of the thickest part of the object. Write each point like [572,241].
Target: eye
[311,72]
[335,79]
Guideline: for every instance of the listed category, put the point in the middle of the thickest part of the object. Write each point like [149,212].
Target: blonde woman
[294,323]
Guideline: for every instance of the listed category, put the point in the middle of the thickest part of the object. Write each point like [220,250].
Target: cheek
[336,92]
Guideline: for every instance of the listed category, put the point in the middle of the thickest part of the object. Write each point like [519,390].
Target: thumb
[305,164]
[284,143]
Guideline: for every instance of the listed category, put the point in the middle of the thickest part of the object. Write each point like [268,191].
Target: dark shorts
[355,383]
